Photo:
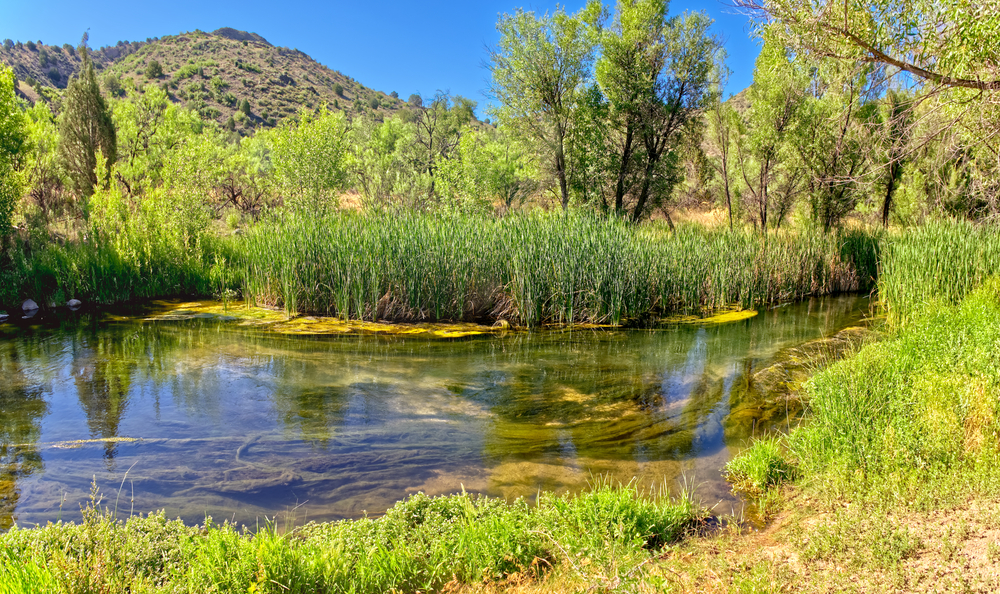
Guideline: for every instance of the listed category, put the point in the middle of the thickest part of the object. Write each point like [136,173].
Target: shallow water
[204,416]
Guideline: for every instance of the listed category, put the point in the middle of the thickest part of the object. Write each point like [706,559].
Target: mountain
[212,73]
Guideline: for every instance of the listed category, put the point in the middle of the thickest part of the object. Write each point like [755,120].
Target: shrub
[53,74]
[154,69]
[69,49]
[374,103]
[8,44]
[338,89]
[30,45]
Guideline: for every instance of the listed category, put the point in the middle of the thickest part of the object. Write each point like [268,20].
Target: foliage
[13,149]
[540,69]
[529,269]
[154,70]
[657,75]
[311,159]
[86,127]
[760,467]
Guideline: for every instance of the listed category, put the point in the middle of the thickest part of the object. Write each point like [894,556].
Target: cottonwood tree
[438,128]
[829,139]
[86,127]
[540,70]
[953,43]
[764,155]
[658,74]
[13,149]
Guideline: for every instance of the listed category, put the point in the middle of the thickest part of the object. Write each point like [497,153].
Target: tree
[540,70]
[658,75]
[829,142]
[311,158]
[13,148]
[244,107]
[723,121]
[952,44]
[86,127]
[438,130]
[154,69]
[762,148]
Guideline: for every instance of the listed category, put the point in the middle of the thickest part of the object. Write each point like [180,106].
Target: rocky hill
[234,77]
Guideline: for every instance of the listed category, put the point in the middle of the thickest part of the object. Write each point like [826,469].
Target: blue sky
[389,45]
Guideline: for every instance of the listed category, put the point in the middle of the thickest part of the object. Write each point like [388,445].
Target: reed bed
[939,263]
[535,268]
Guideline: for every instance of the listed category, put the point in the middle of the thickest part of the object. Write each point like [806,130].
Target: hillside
[211,73]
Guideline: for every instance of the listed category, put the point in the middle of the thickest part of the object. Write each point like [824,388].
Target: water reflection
[239,423]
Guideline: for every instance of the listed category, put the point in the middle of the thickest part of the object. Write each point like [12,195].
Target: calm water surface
[241,423]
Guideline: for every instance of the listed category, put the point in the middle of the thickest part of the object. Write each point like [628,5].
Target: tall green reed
[533,268]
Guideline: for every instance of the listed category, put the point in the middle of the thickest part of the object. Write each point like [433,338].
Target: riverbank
[526,269]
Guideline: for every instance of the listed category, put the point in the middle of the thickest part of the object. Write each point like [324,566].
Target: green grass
[760,467]
[535,268]
[935,264]
[916,408]
[420,544]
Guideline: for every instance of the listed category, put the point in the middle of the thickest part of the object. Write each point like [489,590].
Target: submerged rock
[74,303]
[3,316]
[29,305]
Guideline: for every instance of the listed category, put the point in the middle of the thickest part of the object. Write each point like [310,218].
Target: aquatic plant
[533,268]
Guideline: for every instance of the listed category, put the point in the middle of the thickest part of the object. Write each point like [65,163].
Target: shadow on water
[237,422]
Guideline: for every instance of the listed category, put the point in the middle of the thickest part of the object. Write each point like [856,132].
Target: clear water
[240,423]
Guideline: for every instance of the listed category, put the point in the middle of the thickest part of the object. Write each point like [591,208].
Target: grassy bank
[525,268]
[421,544]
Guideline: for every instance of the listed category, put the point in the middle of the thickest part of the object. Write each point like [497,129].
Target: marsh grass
[534,268]
[936,264]
[421,544]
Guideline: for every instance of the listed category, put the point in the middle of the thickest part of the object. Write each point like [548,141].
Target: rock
[29,305]
[3,316]
[74,303]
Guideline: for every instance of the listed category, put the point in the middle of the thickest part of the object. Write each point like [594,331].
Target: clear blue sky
[391,45]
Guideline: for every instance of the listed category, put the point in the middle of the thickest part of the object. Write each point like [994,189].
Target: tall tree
[954,43]
[86,127]
[762,147]
[540,70]
[658,75]
[13,148]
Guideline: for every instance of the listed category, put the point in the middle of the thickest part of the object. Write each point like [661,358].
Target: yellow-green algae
[718,318]
[277,321]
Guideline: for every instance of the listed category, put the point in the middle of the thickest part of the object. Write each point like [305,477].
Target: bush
[30,45]
[154,69]
[338,89]
[53,74]
[69,49]
[374,103]
[8,44]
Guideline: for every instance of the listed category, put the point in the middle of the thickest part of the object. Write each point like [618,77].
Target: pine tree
[84,128]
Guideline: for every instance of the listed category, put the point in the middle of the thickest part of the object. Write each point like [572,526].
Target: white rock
[74,303]
[29,305]
[3,316]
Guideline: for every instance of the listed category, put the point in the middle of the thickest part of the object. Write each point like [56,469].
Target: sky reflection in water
[239,423]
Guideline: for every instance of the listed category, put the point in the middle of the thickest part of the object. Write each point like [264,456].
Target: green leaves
[13,148]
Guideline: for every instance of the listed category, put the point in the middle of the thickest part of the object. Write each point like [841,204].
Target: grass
[420,544]
[535,268]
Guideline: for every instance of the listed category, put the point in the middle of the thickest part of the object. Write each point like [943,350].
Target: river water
[200,415]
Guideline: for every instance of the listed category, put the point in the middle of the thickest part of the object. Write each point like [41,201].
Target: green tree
[438,127]
[13,148]
[244,107]
[658,76]
[86,127]
[540,70]
[764,154]
[311,159]
[154,69]
[953,43]
[828,139]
